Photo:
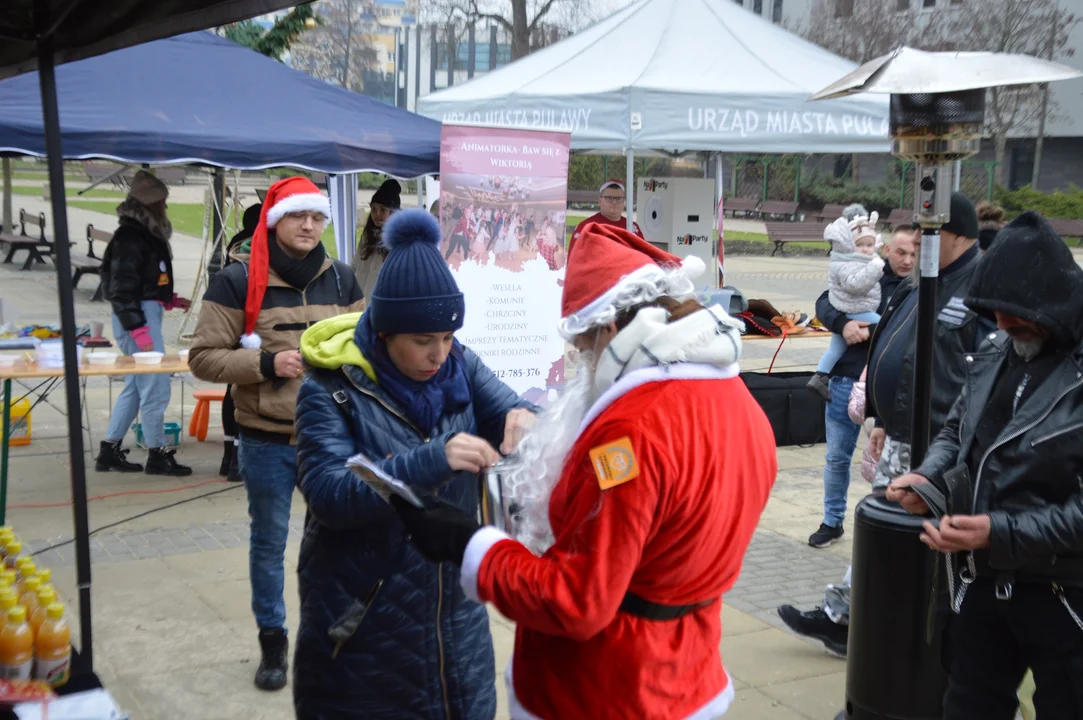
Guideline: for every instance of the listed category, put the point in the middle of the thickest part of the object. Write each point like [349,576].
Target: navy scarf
[423,403]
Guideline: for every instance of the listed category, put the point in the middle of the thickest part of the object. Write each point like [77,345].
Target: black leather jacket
[137,266]
[1030,481]
[959,330]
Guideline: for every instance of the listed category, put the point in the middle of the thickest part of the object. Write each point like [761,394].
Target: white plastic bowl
[102,358]
[8,360]
[183,354]
[148,358]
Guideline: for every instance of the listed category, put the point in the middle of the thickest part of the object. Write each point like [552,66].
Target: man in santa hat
[248,335]
[633,501]
[611,201]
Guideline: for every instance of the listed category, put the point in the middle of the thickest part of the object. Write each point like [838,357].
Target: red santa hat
[293,194]
[611,183]
[610,269]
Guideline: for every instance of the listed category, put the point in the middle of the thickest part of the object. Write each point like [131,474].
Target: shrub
[1057,204]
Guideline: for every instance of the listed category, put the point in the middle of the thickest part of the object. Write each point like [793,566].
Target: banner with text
[503,198]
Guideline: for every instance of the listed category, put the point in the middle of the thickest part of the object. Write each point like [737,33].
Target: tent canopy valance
[676,76]
[200,98]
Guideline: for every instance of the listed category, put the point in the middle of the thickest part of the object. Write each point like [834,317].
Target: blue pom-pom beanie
[415,291]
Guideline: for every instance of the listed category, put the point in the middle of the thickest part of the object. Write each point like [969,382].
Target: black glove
[440,532]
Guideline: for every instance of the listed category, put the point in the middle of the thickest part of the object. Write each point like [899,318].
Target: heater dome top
[907,71]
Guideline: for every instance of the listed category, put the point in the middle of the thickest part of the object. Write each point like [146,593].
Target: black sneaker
[817,625]
[818,384]
[824,536]
[234,467]
[112,457]
[161,462]
[227,458]
[274,659]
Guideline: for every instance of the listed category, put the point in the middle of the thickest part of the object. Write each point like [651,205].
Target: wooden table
[23,370]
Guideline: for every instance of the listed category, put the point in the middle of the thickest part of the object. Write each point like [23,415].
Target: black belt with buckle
[635,605]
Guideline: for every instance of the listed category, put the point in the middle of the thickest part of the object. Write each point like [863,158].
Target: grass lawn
[43,176]
[73,192]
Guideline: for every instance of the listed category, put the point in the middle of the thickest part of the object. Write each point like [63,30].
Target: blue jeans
[269,471]
[838,345]
[841,442]
[142,394]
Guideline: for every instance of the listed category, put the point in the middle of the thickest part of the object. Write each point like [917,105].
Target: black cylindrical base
[892,672]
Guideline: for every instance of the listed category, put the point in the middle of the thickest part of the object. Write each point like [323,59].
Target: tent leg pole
[7,226]
[54,153]
[629,187]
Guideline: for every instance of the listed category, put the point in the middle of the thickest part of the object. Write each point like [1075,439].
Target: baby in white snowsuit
[853,280]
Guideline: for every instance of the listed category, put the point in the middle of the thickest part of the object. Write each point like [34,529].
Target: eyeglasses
[316,217]
[613,199]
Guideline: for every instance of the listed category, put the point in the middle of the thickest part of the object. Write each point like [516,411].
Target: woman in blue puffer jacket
[383,633]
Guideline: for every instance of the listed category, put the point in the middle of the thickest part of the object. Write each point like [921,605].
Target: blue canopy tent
[199,98]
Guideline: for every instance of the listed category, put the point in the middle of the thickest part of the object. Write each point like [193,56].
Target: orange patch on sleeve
[614,463]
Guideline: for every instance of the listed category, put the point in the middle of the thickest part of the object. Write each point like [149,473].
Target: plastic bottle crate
[172,434]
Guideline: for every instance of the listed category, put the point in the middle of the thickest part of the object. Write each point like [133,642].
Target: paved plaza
[174,635]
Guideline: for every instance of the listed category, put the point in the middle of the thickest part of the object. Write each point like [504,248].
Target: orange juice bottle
[7,601]
[16,646]
[6,536]
[26,569]
[45,575]
[29,598]
[52,648]
[46,597]
[7,579]
[12,548]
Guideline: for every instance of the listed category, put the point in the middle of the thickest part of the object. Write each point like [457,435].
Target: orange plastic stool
[201,416]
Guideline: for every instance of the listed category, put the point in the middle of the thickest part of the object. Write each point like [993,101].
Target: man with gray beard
[1005,478]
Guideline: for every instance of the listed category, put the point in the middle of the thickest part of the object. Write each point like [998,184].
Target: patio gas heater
[937,112]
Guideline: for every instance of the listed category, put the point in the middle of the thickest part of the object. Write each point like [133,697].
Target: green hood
[329,345]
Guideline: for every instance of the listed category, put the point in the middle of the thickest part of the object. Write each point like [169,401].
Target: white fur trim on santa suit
[480,543]
[682,371]
[251,342]
[316,202]
[716,707]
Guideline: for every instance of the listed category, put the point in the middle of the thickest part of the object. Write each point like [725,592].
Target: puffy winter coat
[137,266]
[421,650]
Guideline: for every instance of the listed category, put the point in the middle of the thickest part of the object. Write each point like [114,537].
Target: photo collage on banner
[503,199]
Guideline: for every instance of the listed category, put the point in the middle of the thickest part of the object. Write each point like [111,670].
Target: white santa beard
[540,460]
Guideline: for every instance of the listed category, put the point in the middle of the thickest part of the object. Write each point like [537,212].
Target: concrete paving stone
[772,656]
[819,697]
[208,543]
[229,599]
[738,604]
[219,565]
[751,704]
[221,691]
[763,599]
[736,622]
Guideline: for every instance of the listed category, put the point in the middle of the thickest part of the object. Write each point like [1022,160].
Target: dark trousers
[457,240]
[229,424]
[992,643]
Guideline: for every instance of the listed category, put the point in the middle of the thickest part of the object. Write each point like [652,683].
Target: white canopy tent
[673,76]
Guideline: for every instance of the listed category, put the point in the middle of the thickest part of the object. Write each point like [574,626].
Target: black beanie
[964,218]
[1030,273]
[388,194]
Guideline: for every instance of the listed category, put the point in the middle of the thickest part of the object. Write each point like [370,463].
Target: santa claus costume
[637,497]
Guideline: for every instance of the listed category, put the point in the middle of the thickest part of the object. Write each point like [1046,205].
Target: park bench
[781,233]
[582,198]
[778,208]
[736,205]
[96,172]
[1068,228]
[36,247]
[829,213]
[174,175]
[900,217]
[90,264]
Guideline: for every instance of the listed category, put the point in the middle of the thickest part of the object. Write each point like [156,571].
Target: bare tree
[525,21]
[1028,27]
[861,30]
[340,49]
